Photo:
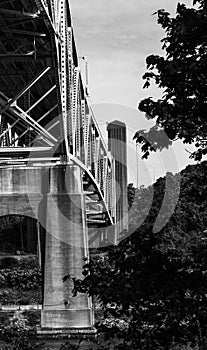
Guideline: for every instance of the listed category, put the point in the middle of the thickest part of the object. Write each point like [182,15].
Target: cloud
[117,36]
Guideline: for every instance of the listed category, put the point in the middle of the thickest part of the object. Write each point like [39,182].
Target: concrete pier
[66,249]
[117,145]
[54,196]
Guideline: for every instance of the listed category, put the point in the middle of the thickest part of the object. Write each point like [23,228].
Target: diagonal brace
[32,123]
[41,98]
[26,88]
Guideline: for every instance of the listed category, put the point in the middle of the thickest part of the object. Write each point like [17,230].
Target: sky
[117,36]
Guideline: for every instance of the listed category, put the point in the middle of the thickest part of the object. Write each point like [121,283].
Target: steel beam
[11,39]
[20,136]
[53,125]
[23,150]
[50,20]
[23,32]
[35,126]
[94,182]
[9,128]
[41,98]
[30,160]
[19,13]
[16,57]
[26,88]
[14,24]
[6,2]
[47,113]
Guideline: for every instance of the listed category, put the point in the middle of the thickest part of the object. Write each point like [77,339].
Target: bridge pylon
[54,163]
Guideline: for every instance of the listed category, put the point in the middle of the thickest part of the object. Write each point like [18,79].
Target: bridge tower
[54,164]
[117,145]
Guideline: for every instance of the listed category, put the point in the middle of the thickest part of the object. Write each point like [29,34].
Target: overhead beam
[26,88]
[9,128]
[16,23]
[41,98]
[53,125]
[45,7]
[48,112]
[23,150]
[16,57]
[20,13]
[20,136]
[29,160]
[23,32]
[35,125]
[24,57]
[23,39]
[6,2]
[29,121]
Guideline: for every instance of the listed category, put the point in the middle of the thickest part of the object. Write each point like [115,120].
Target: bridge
[54,164]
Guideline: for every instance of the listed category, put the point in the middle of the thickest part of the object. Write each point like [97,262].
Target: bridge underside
[29,88]
[57,202]
[47,125]
[39,86]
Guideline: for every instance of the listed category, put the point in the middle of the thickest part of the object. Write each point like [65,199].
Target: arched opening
[20,261]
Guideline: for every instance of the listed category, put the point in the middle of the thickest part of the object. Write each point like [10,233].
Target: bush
[71,346]
[19,343]
[25,278]
[20,297]
[33,318]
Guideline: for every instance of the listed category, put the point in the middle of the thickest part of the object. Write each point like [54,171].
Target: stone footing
[63,319]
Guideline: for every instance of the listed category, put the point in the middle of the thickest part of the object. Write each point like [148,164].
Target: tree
[130,194]
[182,75]
[153,285]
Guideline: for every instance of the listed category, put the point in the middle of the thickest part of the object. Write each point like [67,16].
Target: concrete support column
[117,145]
[66,248]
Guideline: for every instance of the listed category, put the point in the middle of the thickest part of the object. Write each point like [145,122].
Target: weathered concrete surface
[66,249]
[117,145]
[54,196]
[19,186]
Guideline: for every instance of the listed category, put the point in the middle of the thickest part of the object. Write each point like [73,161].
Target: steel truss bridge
[46,114]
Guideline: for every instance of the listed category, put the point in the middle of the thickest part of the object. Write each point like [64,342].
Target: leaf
[182,76]
[67,277]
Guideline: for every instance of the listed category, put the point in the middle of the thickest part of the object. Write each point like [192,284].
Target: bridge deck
[28,69]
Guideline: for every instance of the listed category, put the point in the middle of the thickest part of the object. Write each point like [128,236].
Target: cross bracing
[45,109]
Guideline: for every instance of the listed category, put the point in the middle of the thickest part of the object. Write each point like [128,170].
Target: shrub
[16,326]
[21,278]
[33,318]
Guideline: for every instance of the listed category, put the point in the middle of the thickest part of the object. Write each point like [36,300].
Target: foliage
[20,283]
[154,283]
[16,325]
[17,328]
[15,333]
[71,346]
[19,278]
[32,317]
[11,296]
[25,276]
[131,194]
[182,76]
[19,343]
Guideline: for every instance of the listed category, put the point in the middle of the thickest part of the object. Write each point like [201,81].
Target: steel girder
[42,95]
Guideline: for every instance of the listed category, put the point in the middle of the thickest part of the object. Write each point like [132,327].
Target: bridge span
[54,163]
